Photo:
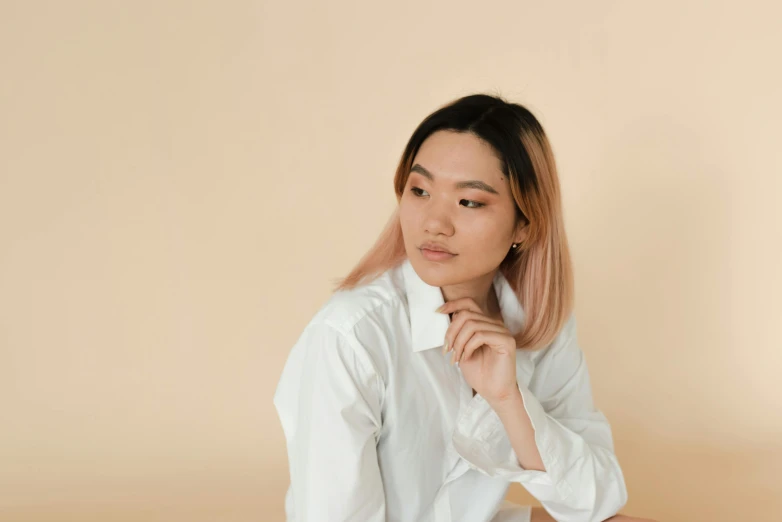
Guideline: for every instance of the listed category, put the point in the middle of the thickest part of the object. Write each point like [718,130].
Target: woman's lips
[434,255]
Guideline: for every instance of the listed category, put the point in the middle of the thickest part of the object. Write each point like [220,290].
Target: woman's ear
[522,231]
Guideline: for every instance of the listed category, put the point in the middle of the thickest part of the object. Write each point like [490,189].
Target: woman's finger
[467,330]
[463,309]
[482,338]
[459,320]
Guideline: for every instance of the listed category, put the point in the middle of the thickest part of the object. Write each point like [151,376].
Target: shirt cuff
[480,438]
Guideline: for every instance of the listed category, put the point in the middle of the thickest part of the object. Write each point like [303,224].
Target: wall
[180,181]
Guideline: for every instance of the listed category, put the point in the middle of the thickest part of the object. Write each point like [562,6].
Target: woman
[446,365]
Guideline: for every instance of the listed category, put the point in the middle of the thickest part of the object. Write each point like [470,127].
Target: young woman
[446,365]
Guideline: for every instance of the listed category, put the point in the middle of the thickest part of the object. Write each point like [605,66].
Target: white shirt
[380,426]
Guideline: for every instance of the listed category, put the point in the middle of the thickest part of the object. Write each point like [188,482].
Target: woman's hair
[539,270]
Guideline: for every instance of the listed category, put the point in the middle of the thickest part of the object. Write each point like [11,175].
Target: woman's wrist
[508,403]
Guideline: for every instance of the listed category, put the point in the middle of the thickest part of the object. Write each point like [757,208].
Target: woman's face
[474,221]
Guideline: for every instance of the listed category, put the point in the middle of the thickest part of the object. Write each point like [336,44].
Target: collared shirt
[379,426]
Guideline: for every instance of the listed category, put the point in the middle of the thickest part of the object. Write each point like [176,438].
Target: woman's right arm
[329,402]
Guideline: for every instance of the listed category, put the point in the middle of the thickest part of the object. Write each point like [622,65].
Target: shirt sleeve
[583,481]
[329,403]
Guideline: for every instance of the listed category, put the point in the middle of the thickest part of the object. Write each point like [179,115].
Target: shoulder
[562,360]
[365,319]
[334,363]
[563,339]
[564,345]
[345,309]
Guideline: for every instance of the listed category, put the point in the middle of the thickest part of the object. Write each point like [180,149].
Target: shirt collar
[428,327]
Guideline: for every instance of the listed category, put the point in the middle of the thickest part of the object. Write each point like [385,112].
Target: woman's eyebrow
[473,184]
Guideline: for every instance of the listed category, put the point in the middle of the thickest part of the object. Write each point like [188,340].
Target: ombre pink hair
[540,269]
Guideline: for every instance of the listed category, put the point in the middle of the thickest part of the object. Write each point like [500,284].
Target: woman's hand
[484,349]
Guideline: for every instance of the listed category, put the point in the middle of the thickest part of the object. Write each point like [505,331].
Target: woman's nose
[438,219]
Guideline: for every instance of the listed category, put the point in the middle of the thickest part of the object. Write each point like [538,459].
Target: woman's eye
[477,205]
[416,190]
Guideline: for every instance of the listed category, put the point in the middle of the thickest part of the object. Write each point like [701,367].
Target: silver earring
[515,245]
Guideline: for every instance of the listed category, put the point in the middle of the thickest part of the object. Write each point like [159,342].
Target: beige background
[181,181]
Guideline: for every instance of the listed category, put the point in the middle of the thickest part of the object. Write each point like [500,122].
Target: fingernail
[445,348]
[440,308]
